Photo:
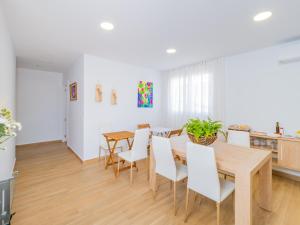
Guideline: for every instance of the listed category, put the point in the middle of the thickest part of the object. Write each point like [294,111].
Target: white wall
[74,109]
[7,93]
[260,91]
[125,115]
[40,101]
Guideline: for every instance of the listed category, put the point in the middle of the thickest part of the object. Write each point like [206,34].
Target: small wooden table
[243,163]
[115,137]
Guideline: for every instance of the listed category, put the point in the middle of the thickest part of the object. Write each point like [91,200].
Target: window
[195,91]
[189,94]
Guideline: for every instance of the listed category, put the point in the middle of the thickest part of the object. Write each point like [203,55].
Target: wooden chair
[138,151]
[165,164]
[240,138]
[203,176]
[143,126]
[175,133]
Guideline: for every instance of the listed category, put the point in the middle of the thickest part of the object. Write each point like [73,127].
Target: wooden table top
[230,158]
[119,135]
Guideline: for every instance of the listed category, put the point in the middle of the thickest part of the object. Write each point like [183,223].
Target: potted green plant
[203,132]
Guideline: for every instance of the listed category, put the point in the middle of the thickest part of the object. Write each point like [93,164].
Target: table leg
[152,175]
[108,145]
[111,160]
[129,145]
[243,198]
[265,186]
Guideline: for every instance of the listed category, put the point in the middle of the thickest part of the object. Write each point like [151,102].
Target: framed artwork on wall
[73,91]
[145,94]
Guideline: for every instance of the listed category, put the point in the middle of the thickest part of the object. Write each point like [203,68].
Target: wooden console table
[285,150]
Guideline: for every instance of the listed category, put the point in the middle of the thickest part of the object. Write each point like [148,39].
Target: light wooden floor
[55,188]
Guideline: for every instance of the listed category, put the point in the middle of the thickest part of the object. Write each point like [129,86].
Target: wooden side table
[114,138]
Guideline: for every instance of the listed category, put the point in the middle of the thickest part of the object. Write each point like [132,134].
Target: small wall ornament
[114,97]
[98,93]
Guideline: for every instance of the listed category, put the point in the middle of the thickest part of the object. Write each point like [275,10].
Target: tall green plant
[203,128]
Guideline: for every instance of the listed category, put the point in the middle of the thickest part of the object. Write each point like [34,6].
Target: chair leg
[131,165]
[174,182]
[233,200]
[148,169]
[118,166]
[171,184]
[105,159]
[186,204]
[195,197]
[99,153]
[155,186]
[218,213]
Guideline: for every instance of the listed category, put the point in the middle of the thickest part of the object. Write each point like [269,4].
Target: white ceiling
[51,34]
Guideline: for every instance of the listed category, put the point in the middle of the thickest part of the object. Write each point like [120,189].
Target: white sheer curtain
[195,91]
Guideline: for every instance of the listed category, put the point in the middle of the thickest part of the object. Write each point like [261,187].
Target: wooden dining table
[244,163]
[112,140]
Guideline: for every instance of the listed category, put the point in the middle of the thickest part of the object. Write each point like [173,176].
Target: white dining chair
[104,147]
[165,164]
[240,138]
[138,151]
[203,176]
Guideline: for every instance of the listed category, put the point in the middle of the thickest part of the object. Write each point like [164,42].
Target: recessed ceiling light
[171,50]
[107,26]
[262,16]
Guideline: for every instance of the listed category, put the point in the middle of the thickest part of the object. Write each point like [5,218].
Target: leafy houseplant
[203,131]
[7,126]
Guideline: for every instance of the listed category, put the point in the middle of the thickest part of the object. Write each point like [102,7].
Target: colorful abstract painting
[145,94]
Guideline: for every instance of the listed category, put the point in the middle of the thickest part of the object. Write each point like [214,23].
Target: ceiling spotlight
[171,51]
[262,16]
[107,26]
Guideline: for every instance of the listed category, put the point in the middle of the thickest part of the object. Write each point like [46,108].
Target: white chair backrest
[164,161]
[179,142]
[240,138]
[202,171]
[140,143]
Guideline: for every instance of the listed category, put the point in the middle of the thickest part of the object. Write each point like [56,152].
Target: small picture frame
[73,91]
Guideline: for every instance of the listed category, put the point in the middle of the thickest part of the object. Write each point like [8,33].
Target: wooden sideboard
[285,151]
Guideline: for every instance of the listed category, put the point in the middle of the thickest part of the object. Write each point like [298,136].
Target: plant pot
[202,140]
